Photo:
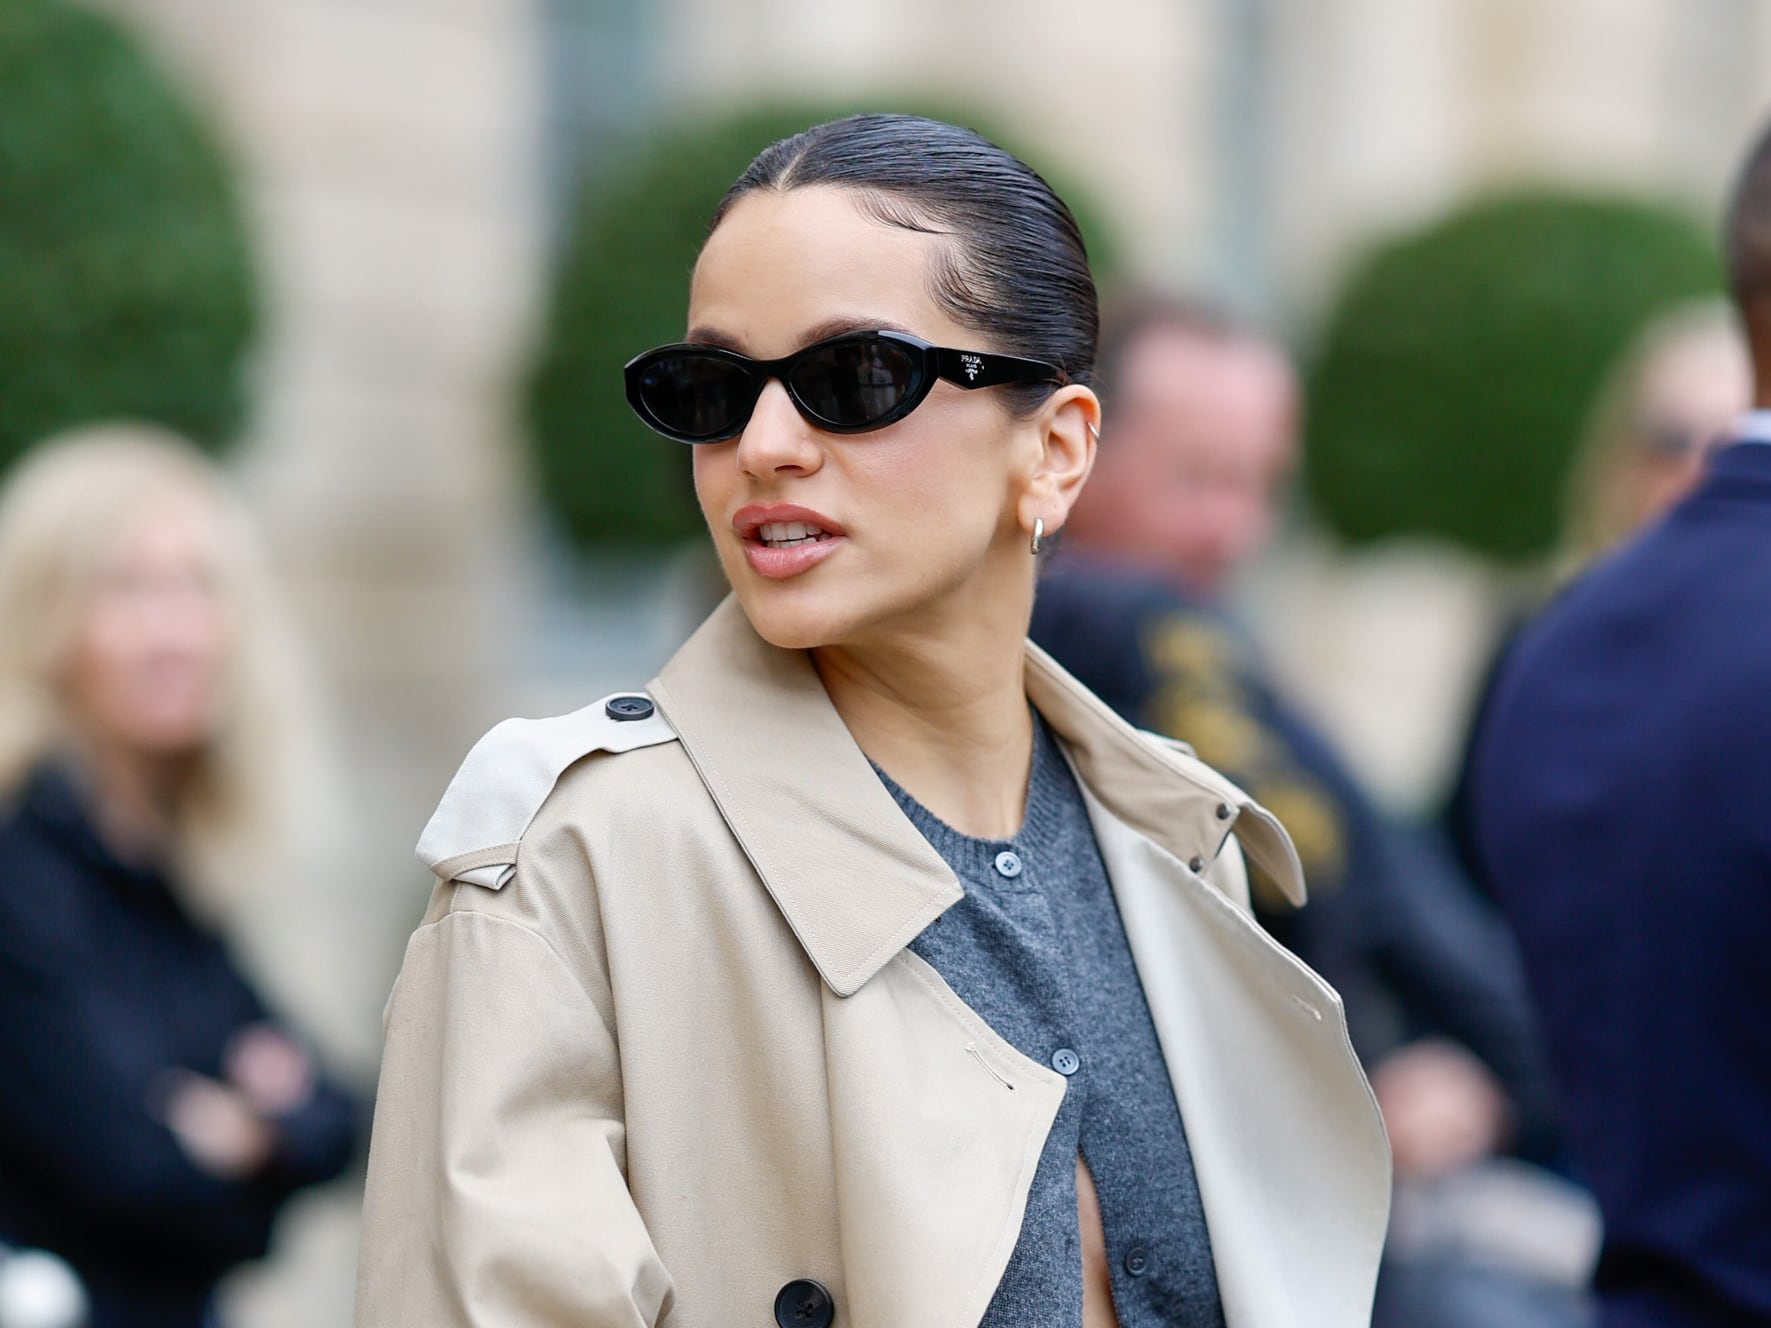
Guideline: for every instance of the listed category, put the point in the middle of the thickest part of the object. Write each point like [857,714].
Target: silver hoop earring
[1038,535]
[1094,432]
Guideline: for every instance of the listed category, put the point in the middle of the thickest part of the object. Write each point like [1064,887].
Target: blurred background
[386,259]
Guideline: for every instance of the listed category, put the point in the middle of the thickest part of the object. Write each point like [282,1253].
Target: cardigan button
[803,1303]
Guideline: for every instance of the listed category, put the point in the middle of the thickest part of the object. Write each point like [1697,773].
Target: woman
[1679,389]
[154,1115]
[865,970]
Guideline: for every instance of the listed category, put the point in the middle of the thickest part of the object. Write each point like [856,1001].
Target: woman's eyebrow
[836,327]
[830,327]
[712,336]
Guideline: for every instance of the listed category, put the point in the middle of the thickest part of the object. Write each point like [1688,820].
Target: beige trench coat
[659,1048]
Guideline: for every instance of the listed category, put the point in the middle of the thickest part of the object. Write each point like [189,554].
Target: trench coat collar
[854,878]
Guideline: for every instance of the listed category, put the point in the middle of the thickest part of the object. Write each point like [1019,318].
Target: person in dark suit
[155,1115]
[1620,805]
[1199,443]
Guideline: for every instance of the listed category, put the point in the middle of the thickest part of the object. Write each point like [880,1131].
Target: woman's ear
[1069,428]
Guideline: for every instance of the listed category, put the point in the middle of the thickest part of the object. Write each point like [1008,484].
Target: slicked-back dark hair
[1016,270]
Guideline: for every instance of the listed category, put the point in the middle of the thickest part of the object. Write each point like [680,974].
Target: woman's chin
[790,619]
[792,631]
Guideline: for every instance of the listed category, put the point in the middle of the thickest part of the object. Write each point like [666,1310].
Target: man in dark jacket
[1620,799]
[1198,450]
[1200,444]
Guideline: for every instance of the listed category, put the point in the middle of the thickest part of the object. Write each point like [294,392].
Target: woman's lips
[778,563]
[783,540]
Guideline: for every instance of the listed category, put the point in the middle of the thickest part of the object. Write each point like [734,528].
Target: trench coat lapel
[1290,1153]
[1287,1145]
[851,874]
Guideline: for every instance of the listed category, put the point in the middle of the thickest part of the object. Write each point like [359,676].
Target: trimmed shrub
[1455,374]
[621,287]
[125,282]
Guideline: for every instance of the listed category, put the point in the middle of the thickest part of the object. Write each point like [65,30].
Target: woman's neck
[134,797]
[945,714]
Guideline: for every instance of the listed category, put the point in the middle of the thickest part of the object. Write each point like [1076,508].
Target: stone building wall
[1382,114]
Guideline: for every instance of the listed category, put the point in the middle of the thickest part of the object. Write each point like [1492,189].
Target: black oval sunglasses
[852,383]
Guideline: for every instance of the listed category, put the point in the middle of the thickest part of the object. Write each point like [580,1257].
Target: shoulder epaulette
[474,833]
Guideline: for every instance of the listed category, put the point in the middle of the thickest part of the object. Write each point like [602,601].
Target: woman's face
[145,670]
[1692,392]
[919,519]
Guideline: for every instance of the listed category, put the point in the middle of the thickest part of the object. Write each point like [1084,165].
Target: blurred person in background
[154,1114]
[1673,398]
[1196,459]
[1207,416]
[1620,804]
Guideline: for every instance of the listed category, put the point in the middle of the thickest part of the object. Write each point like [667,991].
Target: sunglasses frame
[970,369]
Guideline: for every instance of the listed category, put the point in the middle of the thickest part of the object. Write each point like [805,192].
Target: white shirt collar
[1754,427]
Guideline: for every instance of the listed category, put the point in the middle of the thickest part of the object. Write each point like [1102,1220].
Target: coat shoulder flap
[474,833]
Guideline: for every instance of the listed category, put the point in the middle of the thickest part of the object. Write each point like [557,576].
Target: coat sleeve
[497,1195]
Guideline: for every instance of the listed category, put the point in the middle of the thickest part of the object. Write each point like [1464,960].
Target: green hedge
[622,285]
[1456,371]
[125,282]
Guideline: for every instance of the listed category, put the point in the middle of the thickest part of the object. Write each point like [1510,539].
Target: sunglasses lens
[697,396]
[854,384]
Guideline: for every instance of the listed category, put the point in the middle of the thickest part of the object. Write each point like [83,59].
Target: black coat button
[1196,865]
[803,1303]
[626,708]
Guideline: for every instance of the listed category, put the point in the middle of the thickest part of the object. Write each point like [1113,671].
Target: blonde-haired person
[154,1115]
[1676,392]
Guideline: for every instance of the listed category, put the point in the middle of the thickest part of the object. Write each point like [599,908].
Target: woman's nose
[778,438]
